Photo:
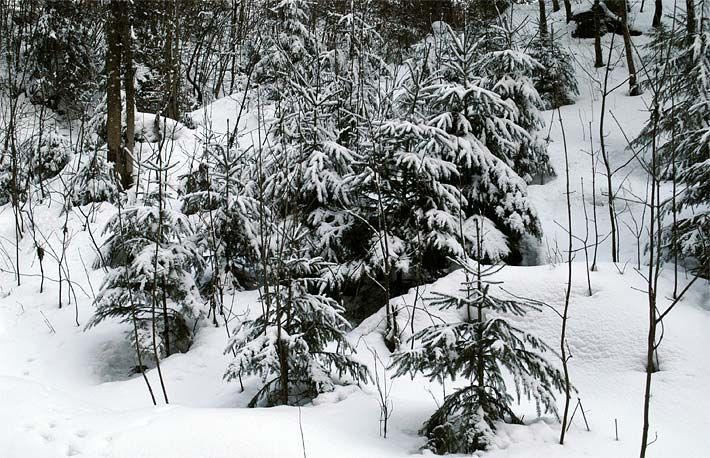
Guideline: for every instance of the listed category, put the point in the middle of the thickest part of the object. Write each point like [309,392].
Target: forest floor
[66,391]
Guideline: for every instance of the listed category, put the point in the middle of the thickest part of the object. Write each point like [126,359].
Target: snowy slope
[66,392]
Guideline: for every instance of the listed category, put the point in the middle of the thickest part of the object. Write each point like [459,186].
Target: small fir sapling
[483,347]
[51,153]
[682,63]
[297,344]
[141,240]
[554,78]
[220,192]
[94,180]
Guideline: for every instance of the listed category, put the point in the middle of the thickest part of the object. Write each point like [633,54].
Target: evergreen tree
[693,154]
[303,166]
[289,44]
[508,72]
[151,260]
[307,157]
[485,133]
[554,78]
[94,180]
[297,344]
[221,194]
[358,71]
[679,66]
[482,348]
[65,58]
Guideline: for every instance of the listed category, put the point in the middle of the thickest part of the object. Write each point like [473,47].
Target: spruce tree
[94,180]
[303,163]
[693,154]
[151,260]
[308,156]
[486,135]
[221,192]
[509,72]
[554,78]
[297,343]
[63,53]
[679,65]
[482,348]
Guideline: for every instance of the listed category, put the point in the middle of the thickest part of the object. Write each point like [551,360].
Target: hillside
[69,391]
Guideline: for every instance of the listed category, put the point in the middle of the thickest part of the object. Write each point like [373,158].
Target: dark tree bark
[658,13]
[568,10]
[172,61]
[113,85]
[555,5]
[634,88]
[691,21]
[543,19]
[130,89]
[119,55]
[598,58]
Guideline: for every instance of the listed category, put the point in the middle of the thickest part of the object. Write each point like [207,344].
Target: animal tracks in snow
[59,436]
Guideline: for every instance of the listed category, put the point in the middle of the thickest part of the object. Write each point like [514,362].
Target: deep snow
[65,391]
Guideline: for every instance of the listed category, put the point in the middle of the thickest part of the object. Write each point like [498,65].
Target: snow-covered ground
[65,391]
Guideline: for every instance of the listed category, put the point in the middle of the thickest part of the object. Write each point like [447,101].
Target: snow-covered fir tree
[482,348]
[692,166]
[65,58]
[289,43]
[306,158]
[94,180]
[485,134]
[296,344]
[221,194]
[508,71]
[355,64]
[679,70]
[554,78]
[151,260]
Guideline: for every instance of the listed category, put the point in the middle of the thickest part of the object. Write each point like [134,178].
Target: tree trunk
[113,86]
[658,13]
[282,350]
[166,318]
[563,334]
[691,24]
[652,280]
[130,88]
[171,59]
[555,5]
[543,20]
[568,10]
[634,88]
[598,58]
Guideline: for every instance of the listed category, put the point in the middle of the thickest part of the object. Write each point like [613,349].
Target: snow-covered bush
[94,181]
[50,156]
[14,177]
